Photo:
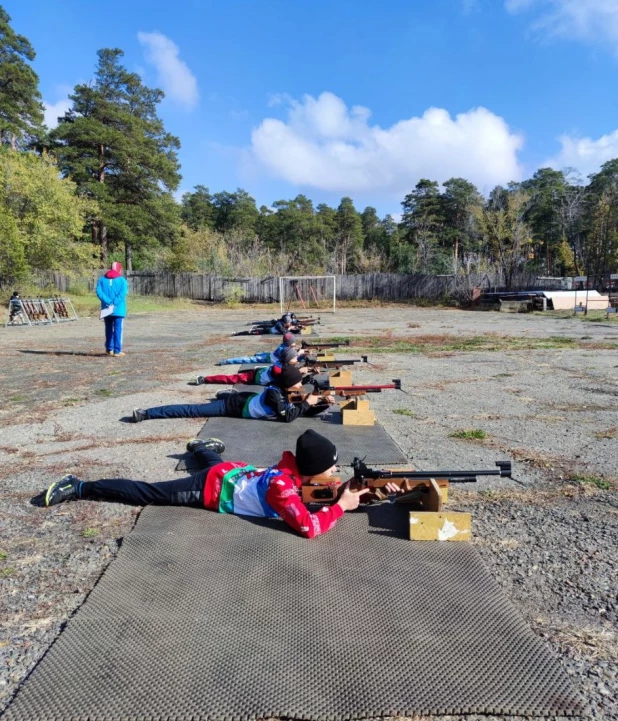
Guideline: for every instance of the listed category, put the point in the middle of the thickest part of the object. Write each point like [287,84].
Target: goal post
[308,293]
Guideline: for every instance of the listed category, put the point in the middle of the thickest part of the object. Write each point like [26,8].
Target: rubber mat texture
[261,442]
[211,617]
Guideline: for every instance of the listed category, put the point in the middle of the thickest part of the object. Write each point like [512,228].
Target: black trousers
[181,492]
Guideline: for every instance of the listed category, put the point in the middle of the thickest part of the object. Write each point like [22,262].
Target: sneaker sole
[53,486]
[207,445]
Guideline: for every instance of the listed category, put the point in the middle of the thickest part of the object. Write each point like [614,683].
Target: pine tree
[115,147]
[21,110]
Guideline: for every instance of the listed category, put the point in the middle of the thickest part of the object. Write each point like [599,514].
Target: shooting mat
[205,616]
[261,442]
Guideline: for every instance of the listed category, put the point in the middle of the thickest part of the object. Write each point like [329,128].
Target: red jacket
[282,495]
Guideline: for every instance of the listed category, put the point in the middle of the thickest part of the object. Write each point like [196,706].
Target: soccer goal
[307,293]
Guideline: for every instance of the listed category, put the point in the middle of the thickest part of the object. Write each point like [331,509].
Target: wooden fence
[367,286]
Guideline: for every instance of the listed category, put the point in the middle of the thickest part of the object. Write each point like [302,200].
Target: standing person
[112,291]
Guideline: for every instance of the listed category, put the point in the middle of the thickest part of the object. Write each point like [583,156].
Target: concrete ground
[553,411]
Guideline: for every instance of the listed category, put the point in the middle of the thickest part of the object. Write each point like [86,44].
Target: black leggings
[181,492]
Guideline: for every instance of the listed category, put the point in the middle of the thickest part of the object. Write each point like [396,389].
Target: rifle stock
[298,396]
[335,364]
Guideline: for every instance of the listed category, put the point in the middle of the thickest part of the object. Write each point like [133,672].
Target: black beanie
[289,377]
[314,454]
[288,355]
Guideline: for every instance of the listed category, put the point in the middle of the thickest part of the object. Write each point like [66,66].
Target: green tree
[235,212]
[349,239]
[115,147]
[372,229]
[506,233]
[546,190]
[601,220]
[198,210]
[422,223]
[460,200]
[297,232]
[21,109]
[41,217]
[326,223]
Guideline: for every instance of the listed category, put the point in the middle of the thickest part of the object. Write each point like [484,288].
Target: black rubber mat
[210,617]
[261,442]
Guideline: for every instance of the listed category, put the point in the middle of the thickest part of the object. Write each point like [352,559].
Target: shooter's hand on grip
[313,399]
[350,500]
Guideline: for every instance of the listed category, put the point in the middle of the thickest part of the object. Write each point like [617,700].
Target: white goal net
[308,293]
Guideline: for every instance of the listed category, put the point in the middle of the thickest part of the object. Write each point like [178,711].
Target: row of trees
[100,184]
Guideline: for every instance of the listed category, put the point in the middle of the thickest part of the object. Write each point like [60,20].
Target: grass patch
[403,412]
[608,433]
[71,401]
[592,481]
[504,375]
[3,555]
[470,434]
[594,316]
[90,532]
[105,392]
[89,305]
[18,399]
[6,572]
[428,344]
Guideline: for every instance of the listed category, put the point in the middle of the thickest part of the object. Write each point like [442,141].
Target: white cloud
[174,74]
[53,111]
[589,20]
[326,145]
[585,154]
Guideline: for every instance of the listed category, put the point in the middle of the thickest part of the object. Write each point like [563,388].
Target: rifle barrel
[503,470]
[396,385]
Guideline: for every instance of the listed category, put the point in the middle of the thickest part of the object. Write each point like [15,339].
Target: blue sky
[352,97]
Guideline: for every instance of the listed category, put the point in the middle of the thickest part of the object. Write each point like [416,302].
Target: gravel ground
[551,542]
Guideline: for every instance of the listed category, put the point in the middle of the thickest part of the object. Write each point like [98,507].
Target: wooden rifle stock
[343,391]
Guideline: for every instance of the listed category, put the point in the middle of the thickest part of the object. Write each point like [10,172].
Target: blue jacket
[113,291]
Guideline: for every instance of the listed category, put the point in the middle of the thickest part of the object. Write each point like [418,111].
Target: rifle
[322,346]
[316,363]
[325,389]
[414,483]
[304,322]
[60,308]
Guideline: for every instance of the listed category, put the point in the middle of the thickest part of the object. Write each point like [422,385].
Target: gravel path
[550,541]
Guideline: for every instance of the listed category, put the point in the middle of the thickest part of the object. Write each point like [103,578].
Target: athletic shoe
[207,444]
[139,414]
[66,489]
[199,381]
[224,394]
[118,354]
[109,352]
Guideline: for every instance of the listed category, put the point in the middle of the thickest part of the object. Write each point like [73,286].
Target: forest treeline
[99,187]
